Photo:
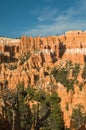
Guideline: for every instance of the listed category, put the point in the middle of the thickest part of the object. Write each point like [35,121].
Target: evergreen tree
[46,111]
[78,117]
[16,110]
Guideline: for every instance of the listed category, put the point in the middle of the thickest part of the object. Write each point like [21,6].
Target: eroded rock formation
[31,60]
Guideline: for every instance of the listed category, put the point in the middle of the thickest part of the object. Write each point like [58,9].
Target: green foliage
[69,64]
[31,93]
[61,75]
[67,107]
[37,68]
[24,110]
[55,119]
[24,58]
[76,70]
[16,110]
[46,111]
[84,73]
[1,122]
[13,67]
[78,117]
[48,68]
[36,78]
[80,86]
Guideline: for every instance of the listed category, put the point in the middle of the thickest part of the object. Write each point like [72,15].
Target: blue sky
[41,17]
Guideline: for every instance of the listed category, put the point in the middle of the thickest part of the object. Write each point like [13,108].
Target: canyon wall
[26,58]
[71,45]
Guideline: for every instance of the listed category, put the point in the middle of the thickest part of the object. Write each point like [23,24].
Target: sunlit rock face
[71,45]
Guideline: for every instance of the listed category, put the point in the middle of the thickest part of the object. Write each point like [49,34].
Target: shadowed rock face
[26,58]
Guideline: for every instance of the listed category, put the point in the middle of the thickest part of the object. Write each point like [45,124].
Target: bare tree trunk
[37,126]
[13,120]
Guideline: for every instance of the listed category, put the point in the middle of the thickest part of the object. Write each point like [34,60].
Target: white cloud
[57,27]
[47,14]
[71,19]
